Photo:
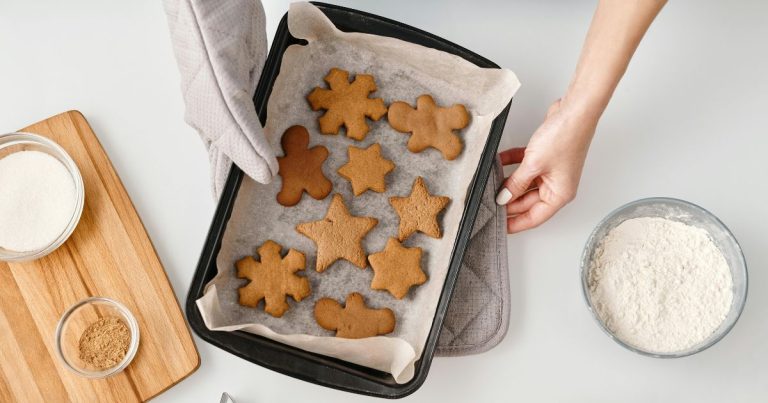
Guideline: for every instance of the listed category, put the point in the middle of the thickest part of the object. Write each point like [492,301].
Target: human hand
[550,168]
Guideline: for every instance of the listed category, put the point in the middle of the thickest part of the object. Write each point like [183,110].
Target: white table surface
[690,120]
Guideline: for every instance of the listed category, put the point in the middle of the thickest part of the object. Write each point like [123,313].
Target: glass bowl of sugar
[664,277]
[42,196]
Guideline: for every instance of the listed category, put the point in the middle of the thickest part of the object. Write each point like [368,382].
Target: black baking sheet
[292,361]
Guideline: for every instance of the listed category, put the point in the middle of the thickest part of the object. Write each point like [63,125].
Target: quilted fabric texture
[478,315]
[220,49]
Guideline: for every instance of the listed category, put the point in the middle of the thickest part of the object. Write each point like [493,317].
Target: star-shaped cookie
[418,211]
[430,125]
[366,169]
[396,269]
[347,104]
[338,236]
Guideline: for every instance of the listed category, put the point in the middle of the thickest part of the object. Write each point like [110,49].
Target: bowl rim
[133,346]
[77,178]
[584,273]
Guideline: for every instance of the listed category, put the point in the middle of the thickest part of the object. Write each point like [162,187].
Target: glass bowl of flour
[664,277]
[41,196]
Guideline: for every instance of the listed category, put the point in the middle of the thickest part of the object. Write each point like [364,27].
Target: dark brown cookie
[301,168]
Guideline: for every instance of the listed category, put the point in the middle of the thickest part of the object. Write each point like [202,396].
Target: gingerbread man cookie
[366,169]
[418,211]
[430,125]
[273,279]
[301,168]
[397,269]
[338,236]
[354,320]
[347,104]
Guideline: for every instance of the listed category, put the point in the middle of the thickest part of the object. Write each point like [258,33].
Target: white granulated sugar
[660,285]
[37,199]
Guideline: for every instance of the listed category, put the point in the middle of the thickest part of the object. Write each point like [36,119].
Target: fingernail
[503,197]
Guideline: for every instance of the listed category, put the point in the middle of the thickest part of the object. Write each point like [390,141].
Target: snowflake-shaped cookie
[273,279]
[347,104]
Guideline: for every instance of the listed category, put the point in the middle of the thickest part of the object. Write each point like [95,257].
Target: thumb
[516,185]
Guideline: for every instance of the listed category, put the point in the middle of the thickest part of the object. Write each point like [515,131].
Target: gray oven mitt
[221,47]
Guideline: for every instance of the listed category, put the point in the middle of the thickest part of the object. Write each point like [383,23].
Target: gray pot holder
[478,314]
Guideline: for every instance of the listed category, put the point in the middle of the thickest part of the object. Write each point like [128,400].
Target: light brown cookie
[301,168]
[354,320]
[273,279]
[366,169]
[418,211]
[347,104]
[430,125]
[338,236]
[396,269]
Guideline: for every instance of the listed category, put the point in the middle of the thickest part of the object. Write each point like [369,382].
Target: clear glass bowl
[74,322]
[690,214]
[15,142]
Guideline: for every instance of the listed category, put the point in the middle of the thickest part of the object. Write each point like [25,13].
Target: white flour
[660,285]
[37,198]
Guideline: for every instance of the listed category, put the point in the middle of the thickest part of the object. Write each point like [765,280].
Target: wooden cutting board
[109,255]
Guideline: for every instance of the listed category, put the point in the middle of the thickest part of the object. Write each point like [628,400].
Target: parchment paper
[402,71]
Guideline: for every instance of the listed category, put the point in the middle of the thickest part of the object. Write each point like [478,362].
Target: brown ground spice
[105,342]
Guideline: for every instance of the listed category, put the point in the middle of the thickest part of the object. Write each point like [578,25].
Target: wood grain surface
[109,254]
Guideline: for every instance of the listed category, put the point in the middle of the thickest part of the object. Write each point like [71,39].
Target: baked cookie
[366,169]
[273,279]
[418,211]
[430,125]
[354,320]
[338,236]
[301,168]
[347,104]
[396,269]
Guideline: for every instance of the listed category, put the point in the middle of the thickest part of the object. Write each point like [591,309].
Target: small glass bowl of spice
[97,337]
